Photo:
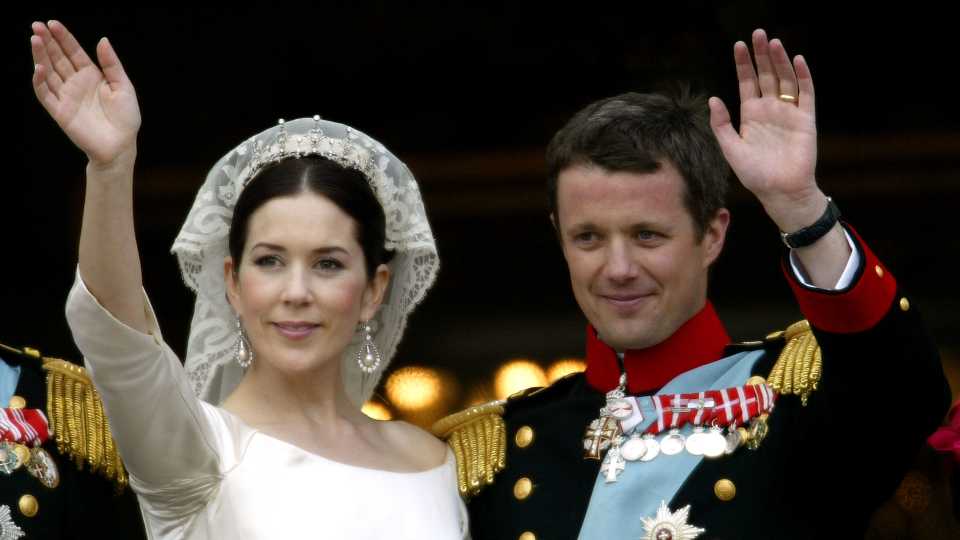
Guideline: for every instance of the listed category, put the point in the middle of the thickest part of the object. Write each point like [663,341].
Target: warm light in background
[564,367]
[517,375]
[377,411]
[479,394]
[413,387]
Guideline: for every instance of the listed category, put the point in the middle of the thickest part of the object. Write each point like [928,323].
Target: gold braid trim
[478,437]
[78,422]
[797,371]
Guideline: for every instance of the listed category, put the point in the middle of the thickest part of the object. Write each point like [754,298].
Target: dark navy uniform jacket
[83,505]
[820,472]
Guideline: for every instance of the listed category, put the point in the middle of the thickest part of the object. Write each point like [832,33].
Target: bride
[307,247]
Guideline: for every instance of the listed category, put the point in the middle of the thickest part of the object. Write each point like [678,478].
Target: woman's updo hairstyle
[345,187]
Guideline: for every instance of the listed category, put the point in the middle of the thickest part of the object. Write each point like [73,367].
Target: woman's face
[301,286]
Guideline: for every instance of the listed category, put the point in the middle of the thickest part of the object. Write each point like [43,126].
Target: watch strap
[808,235]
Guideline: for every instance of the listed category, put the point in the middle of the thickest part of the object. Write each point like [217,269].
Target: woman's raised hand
[96,108]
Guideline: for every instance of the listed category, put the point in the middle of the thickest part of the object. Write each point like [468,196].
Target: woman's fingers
[41,58]
[784,69]
[40,87]
[72,51]
[112,68]
[58,60]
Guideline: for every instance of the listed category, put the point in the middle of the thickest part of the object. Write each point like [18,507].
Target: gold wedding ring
[788,97]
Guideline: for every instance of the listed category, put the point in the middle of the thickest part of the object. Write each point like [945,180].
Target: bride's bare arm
[97,108]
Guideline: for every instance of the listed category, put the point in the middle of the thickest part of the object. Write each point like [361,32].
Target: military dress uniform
[843,432]
[83,493]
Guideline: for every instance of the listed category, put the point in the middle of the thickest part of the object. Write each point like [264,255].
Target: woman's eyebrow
[318,251]
[330,249]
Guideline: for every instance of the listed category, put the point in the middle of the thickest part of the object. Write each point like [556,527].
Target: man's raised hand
[775,153]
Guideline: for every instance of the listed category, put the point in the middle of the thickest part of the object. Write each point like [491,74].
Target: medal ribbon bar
[715,407]
[27,426]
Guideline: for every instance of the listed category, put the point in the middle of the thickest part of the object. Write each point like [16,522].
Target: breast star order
[669,525]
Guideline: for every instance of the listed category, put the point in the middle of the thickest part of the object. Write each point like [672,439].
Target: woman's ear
[373,296]
[230,279]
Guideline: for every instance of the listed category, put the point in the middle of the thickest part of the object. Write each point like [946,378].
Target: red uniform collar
[697,342]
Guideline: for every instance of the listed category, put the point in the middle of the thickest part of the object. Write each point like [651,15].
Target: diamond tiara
[345,152]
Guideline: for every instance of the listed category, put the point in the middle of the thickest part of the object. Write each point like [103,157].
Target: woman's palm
[97,109]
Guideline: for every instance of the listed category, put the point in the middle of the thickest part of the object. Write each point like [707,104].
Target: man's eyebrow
[646,226]
[581,227]
[586,226]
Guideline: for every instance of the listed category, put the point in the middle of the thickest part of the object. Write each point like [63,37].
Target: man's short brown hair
[633,132]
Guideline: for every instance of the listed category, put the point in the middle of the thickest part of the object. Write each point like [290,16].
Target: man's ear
[715,235]
[232,283]
[553,219]
[373,296]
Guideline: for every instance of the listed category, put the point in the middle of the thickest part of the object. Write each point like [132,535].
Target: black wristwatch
[808,235]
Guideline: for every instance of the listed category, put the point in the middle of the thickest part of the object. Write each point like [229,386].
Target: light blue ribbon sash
[9,375]
[616,508]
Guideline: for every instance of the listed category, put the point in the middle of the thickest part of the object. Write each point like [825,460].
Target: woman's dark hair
[347,188]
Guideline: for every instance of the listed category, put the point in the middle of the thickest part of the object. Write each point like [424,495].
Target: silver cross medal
[604,430]
[614,464]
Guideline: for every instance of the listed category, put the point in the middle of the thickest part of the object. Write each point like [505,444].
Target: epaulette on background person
[76,418]
[478,436]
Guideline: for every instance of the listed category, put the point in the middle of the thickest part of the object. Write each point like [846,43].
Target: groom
[672,432]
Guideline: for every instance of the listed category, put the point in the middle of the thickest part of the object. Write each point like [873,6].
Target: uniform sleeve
[880,361]
[855,308]
[162,431]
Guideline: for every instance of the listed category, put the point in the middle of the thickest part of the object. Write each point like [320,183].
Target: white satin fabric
[201,473]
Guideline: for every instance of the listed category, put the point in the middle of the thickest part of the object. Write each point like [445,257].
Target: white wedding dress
[201,473]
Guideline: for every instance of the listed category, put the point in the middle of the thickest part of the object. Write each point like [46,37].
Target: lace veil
[201,248]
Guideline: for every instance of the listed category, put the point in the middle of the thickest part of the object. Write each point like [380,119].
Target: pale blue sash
[9,375]
[616,508]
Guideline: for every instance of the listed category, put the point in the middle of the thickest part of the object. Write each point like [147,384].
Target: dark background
[469,95]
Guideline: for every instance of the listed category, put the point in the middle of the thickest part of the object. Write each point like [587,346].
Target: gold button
[725,489]
[756,380]
[524,436]
[17,402]
[28,505]
[528,536]
[522,488]
[879,271]
[904,304]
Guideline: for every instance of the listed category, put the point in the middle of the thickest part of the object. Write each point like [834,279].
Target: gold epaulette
[478,437]
[797,371]
[78,423]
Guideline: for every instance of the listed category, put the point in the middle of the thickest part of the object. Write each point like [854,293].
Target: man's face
[637,268]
